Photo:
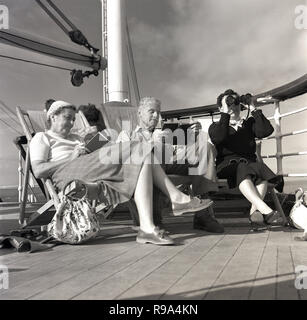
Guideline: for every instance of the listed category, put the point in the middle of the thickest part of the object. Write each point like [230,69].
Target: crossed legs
[143,195]
[255,195]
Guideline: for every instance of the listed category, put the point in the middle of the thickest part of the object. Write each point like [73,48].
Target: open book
[98,141]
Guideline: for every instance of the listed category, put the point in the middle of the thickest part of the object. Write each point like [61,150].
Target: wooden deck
[238,264]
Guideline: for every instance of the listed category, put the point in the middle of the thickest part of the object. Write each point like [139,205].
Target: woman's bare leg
[262,190]
[143,198]
[252,195]
[161,180]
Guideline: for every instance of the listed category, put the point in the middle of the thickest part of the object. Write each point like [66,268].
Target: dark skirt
[117,176]
[235,173]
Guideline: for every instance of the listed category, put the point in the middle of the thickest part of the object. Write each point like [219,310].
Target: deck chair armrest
[52,192]
[20,140]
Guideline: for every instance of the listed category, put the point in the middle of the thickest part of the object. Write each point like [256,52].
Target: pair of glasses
[241,160]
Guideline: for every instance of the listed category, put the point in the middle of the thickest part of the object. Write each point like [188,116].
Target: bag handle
[71,196]
[301,196]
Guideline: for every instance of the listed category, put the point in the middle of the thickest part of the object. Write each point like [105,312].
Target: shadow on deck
[239,264]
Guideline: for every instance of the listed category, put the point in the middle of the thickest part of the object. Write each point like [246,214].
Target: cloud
[186,52]
[212,45]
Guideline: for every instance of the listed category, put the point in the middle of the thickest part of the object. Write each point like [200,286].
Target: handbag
[298,214]
[75,220]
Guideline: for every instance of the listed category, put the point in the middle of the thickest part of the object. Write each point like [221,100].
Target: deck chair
[32,122]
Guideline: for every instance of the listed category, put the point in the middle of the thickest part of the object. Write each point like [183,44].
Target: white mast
[116,38]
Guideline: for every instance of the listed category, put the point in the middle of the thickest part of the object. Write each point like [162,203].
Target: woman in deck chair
[236,161]
[61,155]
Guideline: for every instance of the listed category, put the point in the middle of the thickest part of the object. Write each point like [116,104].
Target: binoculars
[237,100]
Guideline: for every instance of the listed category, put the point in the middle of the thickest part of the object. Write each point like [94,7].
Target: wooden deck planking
[237,277]
[32,266]
[196,283]
[235,265]
[299,255]
[285,289]
[63,270]
[95,273]
[160,280]
[133,273]
[264,286]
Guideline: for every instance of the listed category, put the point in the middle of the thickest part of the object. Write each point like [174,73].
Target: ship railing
[279,155]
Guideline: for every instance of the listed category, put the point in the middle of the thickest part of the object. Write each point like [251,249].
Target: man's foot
[273,218]
[157,237]
[195,204]
[204,221]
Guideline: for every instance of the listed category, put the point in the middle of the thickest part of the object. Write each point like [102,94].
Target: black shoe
[204,221]
[273,219]
[256,221]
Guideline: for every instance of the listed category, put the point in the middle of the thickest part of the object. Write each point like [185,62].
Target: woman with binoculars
[236,161]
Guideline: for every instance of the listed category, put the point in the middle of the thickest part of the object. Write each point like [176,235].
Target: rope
[61,14]
[34,62]
[75,34]
[6,109]
[52,16]
[9,116]
[19,133]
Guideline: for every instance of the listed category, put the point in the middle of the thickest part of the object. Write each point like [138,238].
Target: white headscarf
[55,106]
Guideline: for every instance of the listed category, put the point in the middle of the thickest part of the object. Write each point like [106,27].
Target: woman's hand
[88,133]
[78,151]
[225,108]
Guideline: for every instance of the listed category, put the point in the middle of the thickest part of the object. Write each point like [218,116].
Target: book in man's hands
[98,141]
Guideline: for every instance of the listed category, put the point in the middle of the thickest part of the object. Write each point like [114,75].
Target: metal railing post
[19,176]
[104,49]
[278,136]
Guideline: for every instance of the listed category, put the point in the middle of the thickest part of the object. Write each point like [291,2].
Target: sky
[186,53]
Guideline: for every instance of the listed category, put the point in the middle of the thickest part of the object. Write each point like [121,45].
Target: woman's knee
[262,182]
[245,182]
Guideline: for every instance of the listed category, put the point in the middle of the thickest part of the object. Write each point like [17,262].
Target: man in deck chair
[192,159]
[61,155]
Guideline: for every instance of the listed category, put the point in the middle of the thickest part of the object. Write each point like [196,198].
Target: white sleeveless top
[48,146]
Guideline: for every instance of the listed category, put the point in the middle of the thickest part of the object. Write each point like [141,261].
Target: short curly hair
[90,111]
[222,95]
[147,101]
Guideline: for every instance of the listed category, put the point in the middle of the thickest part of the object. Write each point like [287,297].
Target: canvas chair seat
[119,116]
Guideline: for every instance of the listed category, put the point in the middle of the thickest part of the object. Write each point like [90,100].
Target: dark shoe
[195,204]
[157,237]
[256,220]
[204,221]
[273,219]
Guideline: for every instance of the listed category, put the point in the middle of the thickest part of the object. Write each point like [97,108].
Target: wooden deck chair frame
[46,185]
